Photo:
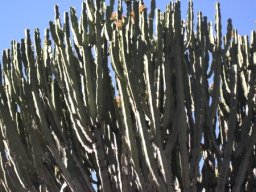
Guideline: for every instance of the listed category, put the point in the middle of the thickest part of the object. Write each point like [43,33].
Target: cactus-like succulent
[184,117]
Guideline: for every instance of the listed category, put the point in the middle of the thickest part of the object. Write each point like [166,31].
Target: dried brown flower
[141,8]
[118,101]
[132,14]
[114,16]
[119,24]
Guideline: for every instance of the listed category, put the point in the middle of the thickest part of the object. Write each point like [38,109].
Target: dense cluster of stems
[179,114]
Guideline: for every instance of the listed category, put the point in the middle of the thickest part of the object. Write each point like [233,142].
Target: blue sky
[16,15]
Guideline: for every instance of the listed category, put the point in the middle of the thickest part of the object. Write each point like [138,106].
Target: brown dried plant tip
[114,16]
[119,24]
[132,14]
[141,8]
[118,101]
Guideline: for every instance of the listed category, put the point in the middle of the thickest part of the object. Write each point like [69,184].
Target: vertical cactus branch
[181,116]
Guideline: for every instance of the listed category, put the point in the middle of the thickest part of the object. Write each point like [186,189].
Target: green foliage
[182,115]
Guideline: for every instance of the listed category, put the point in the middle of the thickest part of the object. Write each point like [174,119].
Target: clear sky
[16,15]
